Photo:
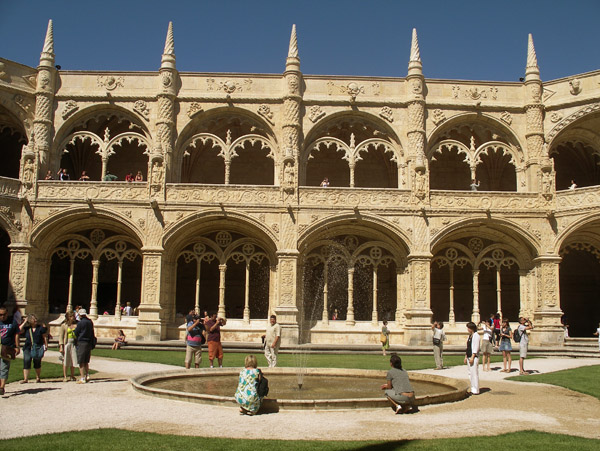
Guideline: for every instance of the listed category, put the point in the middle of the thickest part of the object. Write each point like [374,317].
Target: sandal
[24,381]
[38,380]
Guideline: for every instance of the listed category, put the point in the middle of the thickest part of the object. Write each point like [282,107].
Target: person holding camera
[36,343]
[524,326]
[196,336]
[213,338]
[272,340]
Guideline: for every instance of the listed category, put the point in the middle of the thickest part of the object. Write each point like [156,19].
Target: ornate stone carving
[455,91]
[575,86]
[110,82]
[166,79]
[438,116]
[293,82]
[194,109]
[353,89]
[387,113]
[265,111]
[4,76]
[229,86]
[70,108]
[555,117]
[289,177]
[141,108]
[572,118]
[535,91]
[506,117]
[476,93]
[547,93]
[22,103]
[376,89]
[315,113]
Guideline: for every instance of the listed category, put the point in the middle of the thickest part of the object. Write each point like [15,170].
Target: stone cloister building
[230,215]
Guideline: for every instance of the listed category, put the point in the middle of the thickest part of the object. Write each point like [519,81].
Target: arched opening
[578,162]
[449,170]
[203,166]
[4,265]
[496,171]
[376,169]
[327,162]
[12,140]
[580,288]
[252,166]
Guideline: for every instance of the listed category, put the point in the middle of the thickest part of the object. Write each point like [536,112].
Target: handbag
[8,352]
[437,341]
[37,351]
[383,338]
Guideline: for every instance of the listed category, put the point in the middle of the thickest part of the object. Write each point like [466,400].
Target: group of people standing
[63,175]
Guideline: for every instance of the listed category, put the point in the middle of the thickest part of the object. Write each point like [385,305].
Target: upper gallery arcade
[447,200]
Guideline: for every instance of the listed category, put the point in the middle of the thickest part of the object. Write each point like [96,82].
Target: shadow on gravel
[398,444]
[29,391]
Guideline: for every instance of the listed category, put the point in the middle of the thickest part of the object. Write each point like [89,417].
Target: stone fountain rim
[457,389]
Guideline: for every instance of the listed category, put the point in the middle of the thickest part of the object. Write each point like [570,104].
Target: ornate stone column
[150,321]
[167,96]
[350,312]
[71,275]
[18,280]
[400,296]
[247,294]
[451,316]
[119,286]
[374,318]
[547,313]
[44,102]
[418,312]
[499,292]
[325,293]
[287,305]
[416,108]
[475,314]
[222,280]
[94,299]
[197,294]
[537,156]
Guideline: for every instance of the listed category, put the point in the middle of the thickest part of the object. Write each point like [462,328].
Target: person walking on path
[86,341]
[196,335]
[385,338]
[398,389]
[213,338]
[9,338]
[36,343]
[438,344]
[66,345]
[471,357]
[486,344]
[272,339]
[506,346]
[524,326]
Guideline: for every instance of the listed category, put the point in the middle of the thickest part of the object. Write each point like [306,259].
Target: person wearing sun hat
[86,340]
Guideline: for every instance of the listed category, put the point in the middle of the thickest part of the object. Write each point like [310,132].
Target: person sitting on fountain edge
[398,388]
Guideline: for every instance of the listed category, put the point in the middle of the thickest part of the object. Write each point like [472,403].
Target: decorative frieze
[229,86]
[194,109]
[110,82]
[315,113]
[387,113]
[265,111]
[69,108]
[141,108]
[438,116]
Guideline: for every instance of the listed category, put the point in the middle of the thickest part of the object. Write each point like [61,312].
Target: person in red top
[496,328]
[129,177]
[213,338]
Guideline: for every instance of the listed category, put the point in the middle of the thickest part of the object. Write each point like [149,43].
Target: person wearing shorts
[194,340]
[524,326]
[213,339]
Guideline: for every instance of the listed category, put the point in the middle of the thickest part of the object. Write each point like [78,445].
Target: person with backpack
[523,340]
[472,357]
[246,394]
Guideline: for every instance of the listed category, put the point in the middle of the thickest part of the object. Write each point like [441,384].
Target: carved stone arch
[486,252]
[380,244]
[17,114]
[326,243]
[452,244]
[7,223]
[235,245]
[74,219]
[524,245]
[587,226]
[515,159]
[576,135]
[13,137]
[367,225]
[575,117]
[106,243]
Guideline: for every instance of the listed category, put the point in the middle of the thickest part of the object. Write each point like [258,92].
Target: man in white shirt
[524,326]
[128,311]
[472,358]
[272,339]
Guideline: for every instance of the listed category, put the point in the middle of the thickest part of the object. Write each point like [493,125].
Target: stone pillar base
[150,327]
[417,330]
[287,316]
[548,330]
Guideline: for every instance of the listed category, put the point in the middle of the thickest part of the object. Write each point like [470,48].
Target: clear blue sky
[479,40]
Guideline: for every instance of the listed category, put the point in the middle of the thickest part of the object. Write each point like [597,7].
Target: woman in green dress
[385,338]
[246,394]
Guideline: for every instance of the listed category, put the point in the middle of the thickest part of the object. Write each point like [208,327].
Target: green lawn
[236,359]
[49,371]
[583,379]
[101,439]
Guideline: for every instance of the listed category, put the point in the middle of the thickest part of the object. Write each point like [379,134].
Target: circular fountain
[289,389]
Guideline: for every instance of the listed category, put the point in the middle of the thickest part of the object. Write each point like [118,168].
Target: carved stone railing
[111,191]
[355,197]
[9,187]
[484,200]
[578,199]
[225,194]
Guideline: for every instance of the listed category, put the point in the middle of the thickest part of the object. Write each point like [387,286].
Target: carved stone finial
[414,64]
[168,57]
[47,57]
[293,60]
[532,71]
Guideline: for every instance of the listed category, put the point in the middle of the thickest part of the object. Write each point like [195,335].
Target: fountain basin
[322,389]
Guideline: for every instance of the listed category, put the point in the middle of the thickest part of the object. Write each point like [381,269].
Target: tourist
[139,177]
[246,394]
[10,345]
[506,346]
[205,316]
[49,176]
[472,358]
[213,338]
[524,326]
[497,323]
[272,338]
[36,343]
[66,345]
[86,341]
[475,185]
[195,337]
[438,344]
[63,174]
[128,310]
[129,177]
[119,340]
[597,333]
[109,177]
[486,344]
[398,388]
[335,316]
[17,315]
[573,185]
[84,177]
[385,338]
[325,183]
[77,308]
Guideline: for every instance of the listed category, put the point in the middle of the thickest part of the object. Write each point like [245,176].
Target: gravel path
[109,401]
